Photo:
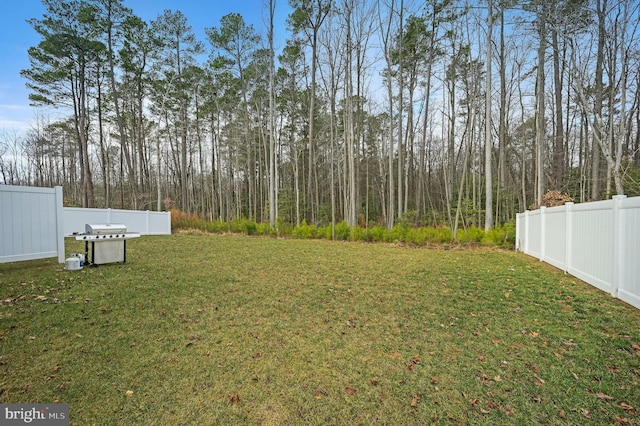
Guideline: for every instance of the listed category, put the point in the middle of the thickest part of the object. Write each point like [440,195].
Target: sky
[16,36]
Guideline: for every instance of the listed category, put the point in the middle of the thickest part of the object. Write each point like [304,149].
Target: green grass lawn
[222,329]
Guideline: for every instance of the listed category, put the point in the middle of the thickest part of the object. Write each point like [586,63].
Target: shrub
[430,235]
[472,234]
[248,227]
[304,231]
[399,233]
[409,219]
[343,231]
[419,236]
[217,226]
[327,232]
[182,220]
[503,236]
[263,228]
[442,235]
[235,225]
[359,234]
[324,232]
[378,234]
[283,228]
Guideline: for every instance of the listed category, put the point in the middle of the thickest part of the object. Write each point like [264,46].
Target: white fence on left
[31,223]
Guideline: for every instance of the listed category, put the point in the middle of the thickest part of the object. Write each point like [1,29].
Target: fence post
[519,231]
[59,212]
[616,278]
[108,215]
[526,232]
[148,217]
[568,236]
[543,225]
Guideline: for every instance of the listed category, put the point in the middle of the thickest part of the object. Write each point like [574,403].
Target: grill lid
[105,228]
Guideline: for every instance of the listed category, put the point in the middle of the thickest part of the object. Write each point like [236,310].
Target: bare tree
[307,17]
[488,139]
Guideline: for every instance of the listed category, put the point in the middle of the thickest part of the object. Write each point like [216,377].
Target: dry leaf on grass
[350,391]
[414,361]
[485,379]
[628,408]
[621,420]
[601,396]
[415,400]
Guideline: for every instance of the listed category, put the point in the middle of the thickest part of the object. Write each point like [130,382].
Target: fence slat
[60,224]
[568,238]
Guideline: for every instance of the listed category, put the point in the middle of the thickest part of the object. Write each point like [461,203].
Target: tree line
[438,112]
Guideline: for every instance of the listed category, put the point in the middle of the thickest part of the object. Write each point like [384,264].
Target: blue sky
[16,36]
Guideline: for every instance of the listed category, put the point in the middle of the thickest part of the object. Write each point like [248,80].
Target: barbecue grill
[108,243]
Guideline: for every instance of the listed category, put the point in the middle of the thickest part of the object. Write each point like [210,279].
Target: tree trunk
[273,190]
[558,145]
[601,6]
[540,102]
[401,165]
[122,132]
[488,142]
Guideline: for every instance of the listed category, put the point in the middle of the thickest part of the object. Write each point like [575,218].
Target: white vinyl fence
[33,222]
[144,222]
[30,223]
[598,242]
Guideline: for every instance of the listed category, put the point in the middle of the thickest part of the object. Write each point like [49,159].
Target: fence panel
[533,240]
[521,228]
[629,277]
[598,242]
[554,248]
[31,225]
[592,259]
[144,222]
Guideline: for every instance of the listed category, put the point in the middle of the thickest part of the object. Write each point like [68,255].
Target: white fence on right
[598,242]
